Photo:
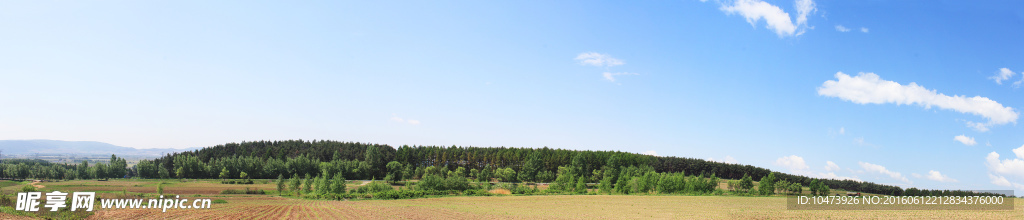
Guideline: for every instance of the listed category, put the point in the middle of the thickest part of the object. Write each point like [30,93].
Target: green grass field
[272,206]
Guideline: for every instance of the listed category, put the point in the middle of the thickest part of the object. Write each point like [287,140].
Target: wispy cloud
[875,168]
[936,176]
[611,76]
[840,28]
[794,163]
[775,18]
[598,59]
[831,166]
[603,60]
[860,141]
[728,159]
[1003,74]
[650,152]
[868,88]
[864,29]
[998,180]
[969,141]
[395,118]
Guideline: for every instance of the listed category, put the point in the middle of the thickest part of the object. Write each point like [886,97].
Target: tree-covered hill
[267,159]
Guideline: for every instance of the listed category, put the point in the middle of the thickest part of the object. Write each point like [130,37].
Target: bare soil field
[535,207]
[488,207]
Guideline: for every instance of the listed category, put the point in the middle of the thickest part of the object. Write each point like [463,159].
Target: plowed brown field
[494,207]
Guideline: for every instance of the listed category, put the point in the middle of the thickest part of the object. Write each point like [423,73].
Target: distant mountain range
[29,147]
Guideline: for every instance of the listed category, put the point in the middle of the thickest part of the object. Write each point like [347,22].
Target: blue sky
[910,93]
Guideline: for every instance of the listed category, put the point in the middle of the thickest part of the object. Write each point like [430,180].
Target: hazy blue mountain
[23,147]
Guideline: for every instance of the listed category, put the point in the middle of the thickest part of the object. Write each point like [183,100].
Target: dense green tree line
[353,160]
[268,159]
[39,169]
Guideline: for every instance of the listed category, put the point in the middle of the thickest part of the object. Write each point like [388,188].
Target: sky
[920,94]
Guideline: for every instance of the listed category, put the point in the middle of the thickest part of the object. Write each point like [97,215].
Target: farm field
[473,207]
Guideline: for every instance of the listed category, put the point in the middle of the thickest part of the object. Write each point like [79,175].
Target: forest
[354,160]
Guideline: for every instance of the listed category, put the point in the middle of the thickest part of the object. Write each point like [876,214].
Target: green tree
[323,185]
[339,184]
[767,184]
[224,174]
[622,186]
[533,165]
[83,170]
[375,158]
[486,174]
[243,175]
[164,174]
[581,185]
[160,188]
[746,183]
[280,184]
[307,184]
[394,171]
[606,186]
[782,186]
[295,183]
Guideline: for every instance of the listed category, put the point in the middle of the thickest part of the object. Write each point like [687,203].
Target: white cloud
[395,118]
[804,8]
[969,141]
[650,152]
[1018,82]
[597,59]
[1013,167]
[935,175]
[1003,74]
[728,159]
[998,180]
[870,88]
[794,163]
[775,18]
[842,130]
[864,29]
[840,28]
[860,141]
[611,76]
[831,166]
[875,168]
[832,175]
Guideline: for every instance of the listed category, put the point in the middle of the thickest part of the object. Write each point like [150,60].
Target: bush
[246,191]
[248,181]
[375,186]
[28,188]
[399,194]
[431,182]
[219,201]
[477,192]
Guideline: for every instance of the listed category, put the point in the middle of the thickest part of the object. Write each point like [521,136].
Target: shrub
[399,194]
[375,186]
[219,201]
[246,181]
[28,188]
[246,191]
[431,182]
[456,183]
